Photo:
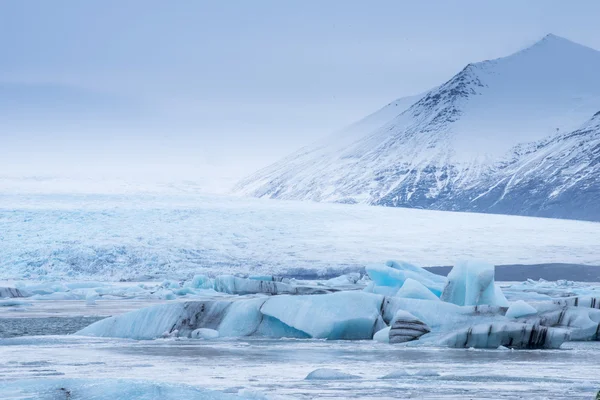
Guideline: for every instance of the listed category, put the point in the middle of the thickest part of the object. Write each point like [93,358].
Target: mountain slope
[450,140]
[556,177]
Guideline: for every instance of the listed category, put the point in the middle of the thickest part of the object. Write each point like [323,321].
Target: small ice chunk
[382,335]
[520,309]
[204,333]
[329,374]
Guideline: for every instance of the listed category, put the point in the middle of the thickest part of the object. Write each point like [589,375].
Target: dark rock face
[406,327]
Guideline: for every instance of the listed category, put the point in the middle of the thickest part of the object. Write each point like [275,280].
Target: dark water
[549,272]
[12,327]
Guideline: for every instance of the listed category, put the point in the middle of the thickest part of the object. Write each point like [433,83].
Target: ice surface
[329,374]
[472,283]
[520,309]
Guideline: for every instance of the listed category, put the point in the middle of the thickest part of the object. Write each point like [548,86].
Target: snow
[520,309]
[111,238]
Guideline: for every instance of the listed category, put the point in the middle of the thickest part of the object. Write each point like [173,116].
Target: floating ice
[329,374]
[11,292]
[471,283]
[512,335]
[235,285]
[520,309]
[382,335]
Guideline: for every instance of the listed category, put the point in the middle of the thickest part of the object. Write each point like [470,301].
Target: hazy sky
[204,90]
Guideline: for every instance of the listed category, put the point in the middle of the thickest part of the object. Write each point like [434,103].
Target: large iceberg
[344,315]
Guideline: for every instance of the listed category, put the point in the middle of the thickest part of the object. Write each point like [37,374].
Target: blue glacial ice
[409,313]
[471,283]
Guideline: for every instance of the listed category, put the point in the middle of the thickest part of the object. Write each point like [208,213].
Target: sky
[210,91]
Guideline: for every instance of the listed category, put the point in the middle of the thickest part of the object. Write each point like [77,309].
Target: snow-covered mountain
[555,177]
[441,149]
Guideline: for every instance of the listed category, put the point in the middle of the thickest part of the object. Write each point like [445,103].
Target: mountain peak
[556,45]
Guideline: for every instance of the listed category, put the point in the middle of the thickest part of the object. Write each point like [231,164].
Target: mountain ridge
[452,139]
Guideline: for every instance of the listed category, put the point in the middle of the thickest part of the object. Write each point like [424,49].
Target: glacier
[179,237]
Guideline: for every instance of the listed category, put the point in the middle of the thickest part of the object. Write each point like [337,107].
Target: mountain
[439,150]
[555,177]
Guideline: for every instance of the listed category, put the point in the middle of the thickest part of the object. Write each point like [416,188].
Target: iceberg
[343,315]
[471,283]
[512,335]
